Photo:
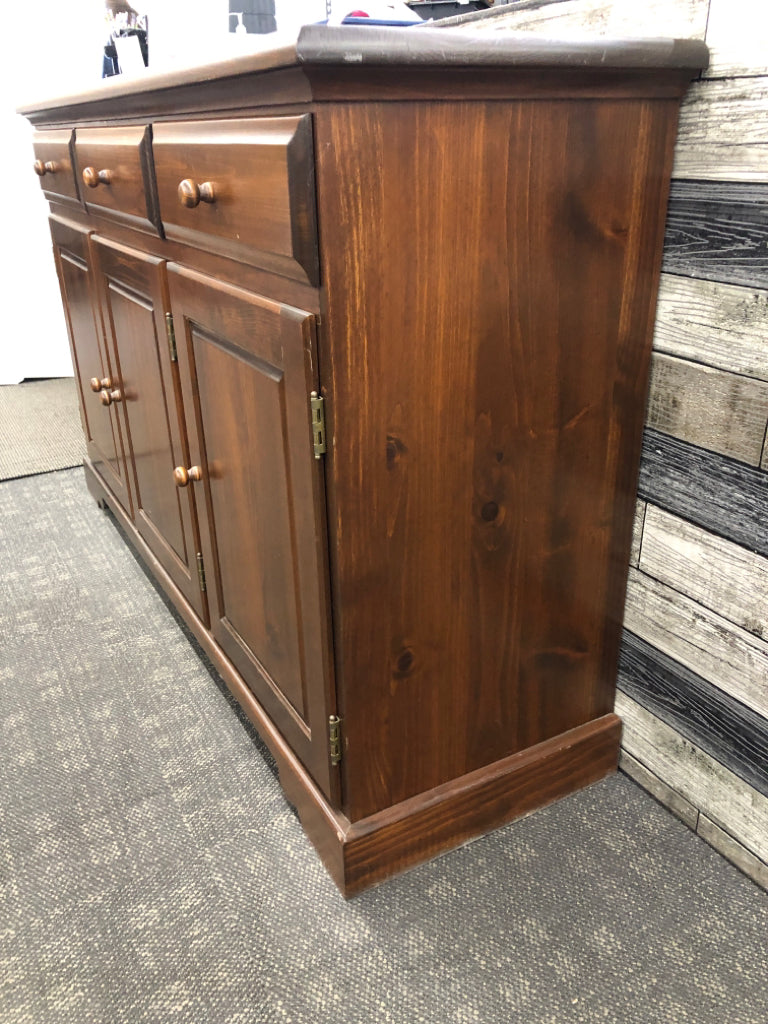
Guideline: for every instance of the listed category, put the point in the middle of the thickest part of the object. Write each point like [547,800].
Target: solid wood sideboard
[362,328]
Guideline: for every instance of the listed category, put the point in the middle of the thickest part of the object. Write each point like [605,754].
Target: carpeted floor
[151,870]
[39,427]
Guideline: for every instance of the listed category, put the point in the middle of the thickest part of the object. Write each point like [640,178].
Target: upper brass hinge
[317,405]
[334,739]
[170,330]
[201,571]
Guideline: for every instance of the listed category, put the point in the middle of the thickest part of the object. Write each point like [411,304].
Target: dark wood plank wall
[694,666]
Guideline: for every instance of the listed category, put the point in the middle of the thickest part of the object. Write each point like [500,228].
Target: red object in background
[358,14]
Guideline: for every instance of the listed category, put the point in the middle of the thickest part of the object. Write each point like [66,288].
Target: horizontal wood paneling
[718,574]
[718,324]
[720,794]
[737,31]
[717,231]
[729,731]
[724,131]
[726,845]
[680,807]
[637,532]
[709,645]
[722,412]
[567,18]
[723,496]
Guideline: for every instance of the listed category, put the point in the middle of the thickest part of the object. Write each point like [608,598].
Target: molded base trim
[361,854]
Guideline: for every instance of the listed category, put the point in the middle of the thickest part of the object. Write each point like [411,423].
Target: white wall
[54,48]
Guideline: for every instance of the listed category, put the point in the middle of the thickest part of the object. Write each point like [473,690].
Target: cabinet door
[102,428]
[247,369]
[133,294]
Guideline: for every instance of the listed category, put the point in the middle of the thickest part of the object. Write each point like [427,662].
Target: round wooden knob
[94,178]
[191,194]
[108,397]
[182,476]
[47,167]
[99,385]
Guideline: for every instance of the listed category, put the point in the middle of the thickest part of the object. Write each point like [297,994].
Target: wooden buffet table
[362,330]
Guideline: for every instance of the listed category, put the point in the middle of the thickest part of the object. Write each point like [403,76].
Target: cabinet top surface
[323,47]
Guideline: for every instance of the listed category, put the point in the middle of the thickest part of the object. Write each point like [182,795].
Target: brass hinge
[317,405]
[170,330]
[201,571]
[334,738]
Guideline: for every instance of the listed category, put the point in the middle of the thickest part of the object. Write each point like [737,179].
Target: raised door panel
[247,369]
[104,441]
[132,288]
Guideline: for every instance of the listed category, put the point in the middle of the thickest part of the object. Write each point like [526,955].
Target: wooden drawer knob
[108,397]
[100,385]
[191,194]
[47,167]
[94,178]
[182,476]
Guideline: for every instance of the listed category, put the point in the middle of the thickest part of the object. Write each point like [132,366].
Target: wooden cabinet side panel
[491,273]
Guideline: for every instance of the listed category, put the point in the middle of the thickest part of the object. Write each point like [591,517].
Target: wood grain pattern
[724,131]
[717,324]
[104,439]
[723,496]
[736,35]
[125,153]
[716,573]
[261,172]
[717,231]
[722,653]
[637,532]
[247,367]
[672,800]
[722,412]
[522,464]
[618,18]
[717,792]
[387,843]
[725,844]
[729,731]
[133,295]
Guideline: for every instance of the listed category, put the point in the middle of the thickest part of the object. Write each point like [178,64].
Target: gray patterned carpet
[152,872]
[39,427]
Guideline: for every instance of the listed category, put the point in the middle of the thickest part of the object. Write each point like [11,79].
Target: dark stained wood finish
[364,853]
[484,461]
[104,440]
[260,175]
[119,160]
[248,366]
[479,323]
[53,156]
[132,292]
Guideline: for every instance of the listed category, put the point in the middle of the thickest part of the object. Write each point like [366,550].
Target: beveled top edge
[359,44]
[324,45]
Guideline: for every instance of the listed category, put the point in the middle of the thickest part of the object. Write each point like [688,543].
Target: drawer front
[116,177]
[242,189]
[55,166]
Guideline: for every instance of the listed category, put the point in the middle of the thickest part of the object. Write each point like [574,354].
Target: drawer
[116,177]
[242,189]
[54,164]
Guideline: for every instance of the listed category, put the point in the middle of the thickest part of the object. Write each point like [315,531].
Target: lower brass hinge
[170,331]
[201,571]
[334,738]
[317,405]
